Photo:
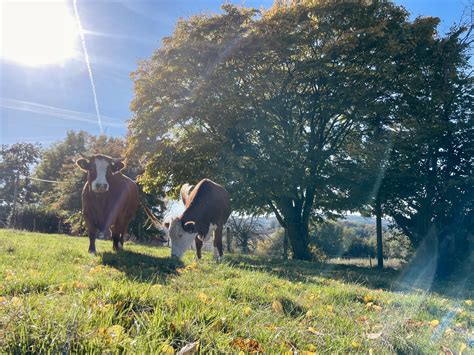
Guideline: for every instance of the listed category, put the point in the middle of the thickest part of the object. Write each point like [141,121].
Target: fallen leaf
[462,348]
[189,349]
[355,344]
[156,287]
[414,323]
[115,331]
[309,314]
[330,308]
[368,298]
[16,302]
[468,303]
[312,347]
[446,351]
[3,300]
[205,298]
[247,310]
[373,336]
[167,349]
[373,307]
[362,319]
[277,306]
[79,285]
[247,345]
[313,330]
[434,323]
[172,328]
[218,325]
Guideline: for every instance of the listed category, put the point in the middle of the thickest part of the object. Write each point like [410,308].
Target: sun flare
[36,33]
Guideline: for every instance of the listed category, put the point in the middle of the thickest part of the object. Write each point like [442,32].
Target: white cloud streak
[86,57]
[56,112]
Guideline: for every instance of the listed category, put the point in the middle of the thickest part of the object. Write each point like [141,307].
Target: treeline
[41,188]
[306,111]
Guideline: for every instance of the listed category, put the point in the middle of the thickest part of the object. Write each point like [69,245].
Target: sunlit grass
[55,297]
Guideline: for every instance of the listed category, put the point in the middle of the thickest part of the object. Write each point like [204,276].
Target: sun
[36,32]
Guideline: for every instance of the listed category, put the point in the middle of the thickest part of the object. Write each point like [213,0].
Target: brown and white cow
[207,208]
[109,199]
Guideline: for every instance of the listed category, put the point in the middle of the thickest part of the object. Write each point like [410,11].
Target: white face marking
[180,239]
[100,183]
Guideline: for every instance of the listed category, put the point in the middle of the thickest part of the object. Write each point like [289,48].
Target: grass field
[55,297]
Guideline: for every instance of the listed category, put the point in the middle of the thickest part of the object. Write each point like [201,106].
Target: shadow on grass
[305,271]
[142,267]
[373,278]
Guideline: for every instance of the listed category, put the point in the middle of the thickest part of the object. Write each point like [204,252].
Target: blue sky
[41,103]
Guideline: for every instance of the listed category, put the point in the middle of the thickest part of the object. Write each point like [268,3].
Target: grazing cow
[109,200]
[207,208]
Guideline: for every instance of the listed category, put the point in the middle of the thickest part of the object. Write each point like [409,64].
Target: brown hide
[111,210]
[207,203]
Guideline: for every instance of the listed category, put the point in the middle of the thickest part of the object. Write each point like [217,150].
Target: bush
[39,219]
[272,245]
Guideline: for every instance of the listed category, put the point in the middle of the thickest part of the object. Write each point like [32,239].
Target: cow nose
[102,186]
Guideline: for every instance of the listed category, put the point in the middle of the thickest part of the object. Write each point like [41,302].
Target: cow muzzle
[101,188]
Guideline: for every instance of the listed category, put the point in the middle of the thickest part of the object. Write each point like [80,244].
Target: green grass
[55,297]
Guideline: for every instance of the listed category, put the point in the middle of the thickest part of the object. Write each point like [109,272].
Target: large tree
[266,104]
[431,164]
[16,162]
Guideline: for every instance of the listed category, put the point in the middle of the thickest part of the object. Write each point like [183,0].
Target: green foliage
[16,161]
[59,298]
[33,217]
[291,108]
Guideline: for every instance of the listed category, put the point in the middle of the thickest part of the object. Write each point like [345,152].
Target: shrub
[39,219]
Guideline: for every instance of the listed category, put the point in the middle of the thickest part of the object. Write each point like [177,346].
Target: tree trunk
[294,217]
[298,237]
[285,245]
[378,218]
[229,240]
[15,196]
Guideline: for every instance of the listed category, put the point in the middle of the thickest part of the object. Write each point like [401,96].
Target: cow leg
[199,243]
[218,254]
[92,233]
[92,242]
[117,238]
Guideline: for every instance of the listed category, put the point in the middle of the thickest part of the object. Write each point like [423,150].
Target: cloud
[143,40]
[58,113]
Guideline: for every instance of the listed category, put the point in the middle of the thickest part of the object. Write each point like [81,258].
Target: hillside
[55,297]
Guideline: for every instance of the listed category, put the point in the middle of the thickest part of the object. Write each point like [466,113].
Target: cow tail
[151,217]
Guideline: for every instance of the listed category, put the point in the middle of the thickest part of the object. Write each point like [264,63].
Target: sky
[52,80]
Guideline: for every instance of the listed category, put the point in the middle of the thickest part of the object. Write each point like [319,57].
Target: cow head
[181,236]
[100,169]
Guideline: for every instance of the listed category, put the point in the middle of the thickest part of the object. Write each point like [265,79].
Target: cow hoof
[93,252]
[120,246]
[101,236]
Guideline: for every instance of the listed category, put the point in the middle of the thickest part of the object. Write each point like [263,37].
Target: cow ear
[117,166]
[189,227]
[167,225]
[83,164]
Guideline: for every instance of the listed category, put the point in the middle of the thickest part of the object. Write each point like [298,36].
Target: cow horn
[117,160]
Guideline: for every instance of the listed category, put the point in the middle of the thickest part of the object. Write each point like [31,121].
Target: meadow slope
[55,297]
